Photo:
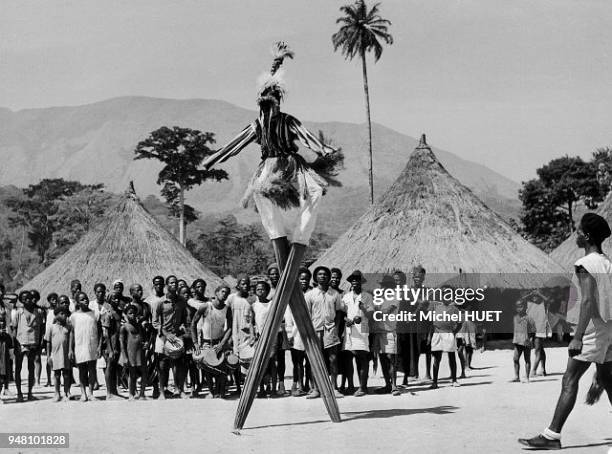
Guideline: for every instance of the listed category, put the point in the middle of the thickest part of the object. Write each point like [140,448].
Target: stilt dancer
[287,191]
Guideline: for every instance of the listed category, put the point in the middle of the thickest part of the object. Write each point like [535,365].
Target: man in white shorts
[443,339]
[592,342]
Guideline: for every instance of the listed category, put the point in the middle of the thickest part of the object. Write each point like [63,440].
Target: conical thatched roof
[128,244]
[567,252]
[427,217]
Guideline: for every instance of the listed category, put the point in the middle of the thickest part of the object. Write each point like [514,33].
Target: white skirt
[295,220]
[443,342]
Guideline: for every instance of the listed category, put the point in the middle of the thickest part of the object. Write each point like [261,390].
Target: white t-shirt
[261,314]
[600,267]
[356,336]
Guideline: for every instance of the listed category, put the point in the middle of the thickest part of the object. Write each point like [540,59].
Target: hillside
[94,143]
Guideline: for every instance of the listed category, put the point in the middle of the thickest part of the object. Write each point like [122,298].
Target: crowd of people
[207,343]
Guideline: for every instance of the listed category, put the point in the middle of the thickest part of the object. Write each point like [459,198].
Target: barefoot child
[84,344]
[131,338]
[58,348]
[524,333]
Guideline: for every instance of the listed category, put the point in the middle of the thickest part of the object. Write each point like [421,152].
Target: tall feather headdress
[271,86]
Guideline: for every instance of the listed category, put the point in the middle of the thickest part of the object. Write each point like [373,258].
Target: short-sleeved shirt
[261,310]
[524,326]
[59,336]
[85,328]
[444,325]
[111,320]
[242,320]
[384,324]
[153,301]
[29,326]
[356,336]
[538,313]
[322,306]
[97,308]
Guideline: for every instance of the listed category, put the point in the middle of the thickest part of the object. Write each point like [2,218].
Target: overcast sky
[510,84]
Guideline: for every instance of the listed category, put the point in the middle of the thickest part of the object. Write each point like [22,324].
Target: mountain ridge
[94,143]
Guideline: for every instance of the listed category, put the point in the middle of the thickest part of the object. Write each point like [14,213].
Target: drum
[232,361]
[173,347]
[208,360]
[245,355]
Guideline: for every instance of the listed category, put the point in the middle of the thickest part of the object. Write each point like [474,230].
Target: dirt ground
[485,415]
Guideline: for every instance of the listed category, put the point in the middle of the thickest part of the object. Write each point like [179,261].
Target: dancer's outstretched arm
[307,138]
[237,144]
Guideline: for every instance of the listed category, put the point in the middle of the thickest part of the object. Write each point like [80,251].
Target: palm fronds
[361,31]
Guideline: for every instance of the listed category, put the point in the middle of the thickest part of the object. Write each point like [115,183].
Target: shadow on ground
[371,414]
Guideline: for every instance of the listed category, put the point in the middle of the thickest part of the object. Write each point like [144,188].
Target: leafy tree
[77,214]
[228,247]
[7,267]
[38,210]
[544,224]
[361,32]
[549,201]
[182,151]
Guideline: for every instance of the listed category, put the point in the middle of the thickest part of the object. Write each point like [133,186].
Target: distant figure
[169,321]
[282,343]
[603,176]
[7,352]
[261,308]
[358,306]
[385,339]
[58,349]
[538,311]
[524,334]
[325,307]
[84,346]
[216,316]
[422,327]
[153,300]
[110,320]
[466,344]
[131,338]
[301,373]
[243,320]
[28,325]
[592,342]
[443,340]
[49,318]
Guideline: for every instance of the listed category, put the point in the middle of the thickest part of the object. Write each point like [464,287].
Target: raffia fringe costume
[285,190]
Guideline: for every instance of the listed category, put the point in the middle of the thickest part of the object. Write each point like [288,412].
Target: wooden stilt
[311,344]
[269,334]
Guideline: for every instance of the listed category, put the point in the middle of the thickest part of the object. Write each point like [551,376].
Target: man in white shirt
[325,307]
[592,342]
[358,306]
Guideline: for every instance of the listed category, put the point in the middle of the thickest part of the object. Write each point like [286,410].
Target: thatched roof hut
[128,244]
[428,217]
[567,252]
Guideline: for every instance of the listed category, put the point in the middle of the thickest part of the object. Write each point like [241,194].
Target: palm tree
[361,32]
